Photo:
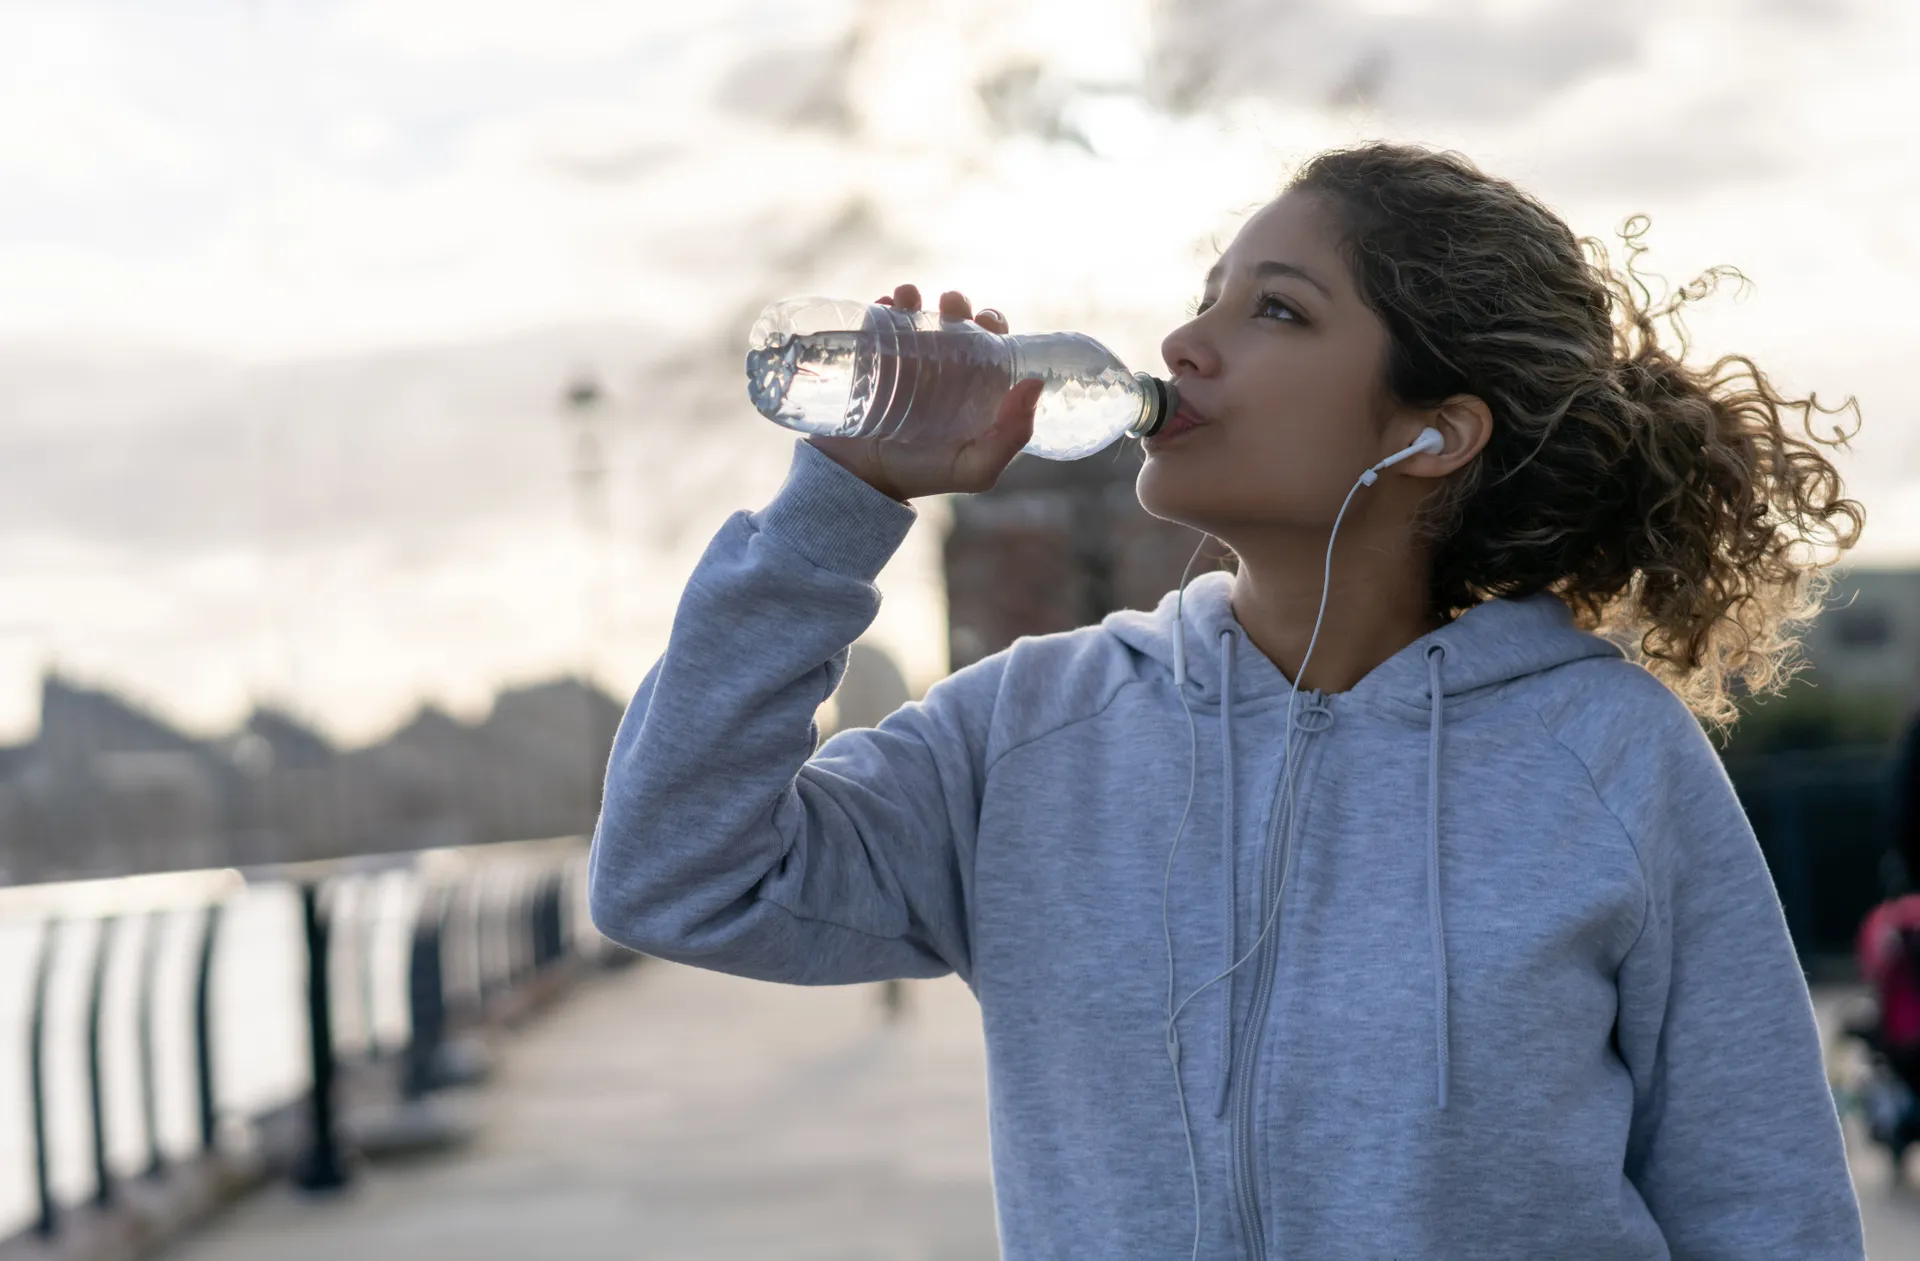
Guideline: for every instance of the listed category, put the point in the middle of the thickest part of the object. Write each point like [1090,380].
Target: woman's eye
[1272,307]
[1267,306]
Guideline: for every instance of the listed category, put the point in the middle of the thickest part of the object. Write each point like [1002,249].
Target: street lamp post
[582,402]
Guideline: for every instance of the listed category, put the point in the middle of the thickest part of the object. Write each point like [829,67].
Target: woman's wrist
[867,471]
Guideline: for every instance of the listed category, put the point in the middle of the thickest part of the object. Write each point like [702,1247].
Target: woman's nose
[1187,352]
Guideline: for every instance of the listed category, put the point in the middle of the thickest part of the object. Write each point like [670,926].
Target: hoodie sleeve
[1735,1145]
[725,841]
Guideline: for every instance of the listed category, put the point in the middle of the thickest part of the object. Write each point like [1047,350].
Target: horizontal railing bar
[121,895]
[429,861]
[101,896]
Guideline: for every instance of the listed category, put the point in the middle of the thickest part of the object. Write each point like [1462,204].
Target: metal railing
[495,932]
[1824,819]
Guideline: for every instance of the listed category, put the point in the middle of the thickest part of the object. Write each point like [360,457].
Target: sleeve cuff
[833,518]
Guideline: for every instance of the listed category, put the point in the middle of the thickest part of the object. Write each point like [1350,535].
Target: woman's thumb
[1011,430]
[980,462]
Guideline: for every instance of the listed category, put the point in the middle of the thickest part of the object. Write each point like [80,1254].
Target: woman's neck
[1378,603]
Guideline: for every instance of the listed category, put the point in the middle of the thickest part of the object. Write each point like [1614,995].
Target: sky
[290,294]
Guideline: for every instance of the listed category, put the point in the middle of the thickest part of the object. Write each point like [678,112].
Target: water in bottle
[853,369]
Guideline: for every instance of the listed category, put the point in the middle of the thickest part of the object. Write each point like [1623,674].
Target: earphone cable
[1287,773]
[1166,884]
[1429,440]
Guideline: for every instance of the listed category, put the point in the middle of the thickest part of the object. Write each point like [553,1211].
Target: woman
[1461,948]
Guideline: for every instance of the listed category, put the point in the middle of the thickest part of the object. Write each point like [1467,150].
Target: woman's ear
[1466,422]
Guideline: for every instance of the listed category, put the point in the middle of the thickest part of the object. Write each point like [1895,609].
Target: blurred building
[105,788]
[1867,640]
[104,778]
[1057,544]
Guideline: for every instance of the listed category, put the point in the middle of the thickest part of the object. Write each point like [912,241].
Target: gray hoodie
[1524,988]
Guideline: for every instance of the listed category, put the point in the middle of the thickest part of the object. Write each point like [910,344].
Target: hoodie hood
[1494,643]
[1203,646]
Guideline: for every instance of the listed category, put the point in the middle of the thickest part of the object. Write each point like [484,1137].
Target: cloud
[568,31]
[69,123]
[1460,61]
[794,85]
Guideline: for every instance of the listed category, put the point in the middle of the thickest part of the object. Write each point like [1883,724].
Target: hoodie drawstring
[1436,920]
[1227,645]
[1436,653]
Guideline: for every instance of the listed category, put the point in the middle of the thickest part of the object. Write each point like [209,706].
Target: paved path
[663,1114]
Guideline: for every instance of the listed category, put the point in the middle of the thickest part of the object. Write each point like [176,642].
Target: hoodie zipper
[1279,857]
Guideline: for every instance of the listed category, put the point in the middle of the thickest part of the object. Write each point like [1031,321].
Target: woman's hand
[907,470]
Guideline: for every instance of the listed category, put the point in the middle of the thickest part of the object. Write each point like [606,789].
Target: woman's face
[1283,371]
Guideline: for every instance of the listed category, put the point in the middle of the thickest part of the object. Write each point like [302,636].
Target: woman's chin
[1171,492]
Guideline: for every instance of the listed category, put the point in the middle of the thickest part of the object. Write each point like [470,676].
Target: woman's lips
[1183,421]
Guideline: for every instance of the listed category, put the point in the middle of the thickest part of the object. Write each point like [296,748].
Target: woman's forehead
[1293,231]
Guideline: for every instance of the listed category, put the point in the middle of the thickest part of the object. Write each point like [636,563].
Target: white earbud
[1430,442]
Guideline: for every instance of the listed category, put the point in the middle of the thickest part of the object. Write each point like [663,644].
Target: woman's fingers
[953,306]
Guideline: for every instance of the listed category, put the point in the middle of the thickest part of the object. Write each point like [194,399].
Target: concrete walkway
[674,1115]
[664,1114]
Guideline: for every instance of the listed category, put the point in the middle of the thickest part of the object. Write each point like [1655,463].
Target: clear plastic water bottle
[855,369]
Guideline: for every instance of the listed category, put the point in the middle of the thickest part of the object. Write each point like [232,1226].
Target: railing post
[568,925]
[504,929]
[96,1092]
[426,995]
[366,951]
[1790,842]
[149,1104]
[537,924]
[520,933]
[203,1028]
[485,983]
[552,944]
[501,928]
[459,966]
[321,1169]
[49,1219]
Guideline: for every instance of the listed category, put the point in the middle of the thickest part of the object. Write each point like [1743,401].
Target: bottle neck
[1159,400]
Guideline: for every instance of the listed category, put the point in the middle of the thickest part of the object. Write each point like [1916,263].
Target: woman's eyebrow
[1271,268]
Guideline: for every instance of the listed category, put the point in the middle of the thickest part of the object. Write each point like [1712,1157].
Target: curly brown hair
[1669,506]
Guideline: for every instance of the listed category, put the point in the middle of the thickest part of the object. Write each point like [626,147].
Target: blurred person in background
[1887,953]
[1382,898]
